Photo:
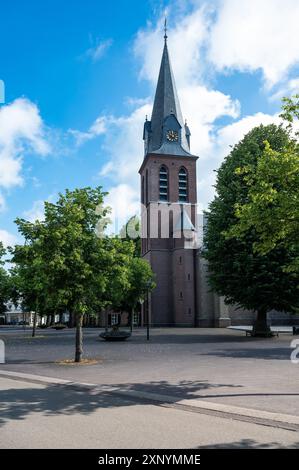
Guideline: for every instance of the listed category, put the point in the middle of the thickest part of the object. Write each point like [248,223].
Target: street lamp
[147,317]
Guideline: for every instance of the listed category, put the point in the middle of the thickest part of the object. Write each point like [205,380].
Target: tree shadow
[266,353]
[199,338]
[17,403]
[250,444]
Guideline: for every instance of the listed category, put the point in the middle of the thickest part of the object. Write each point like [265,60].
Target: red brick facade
[173,301]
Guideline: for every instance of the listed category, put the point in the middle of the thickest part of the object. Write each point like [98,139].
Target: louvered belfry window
[163,183]
[183,185]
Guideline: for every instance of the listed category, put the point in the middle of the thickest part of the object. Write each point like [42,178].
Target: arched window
[183,185]
[163,184]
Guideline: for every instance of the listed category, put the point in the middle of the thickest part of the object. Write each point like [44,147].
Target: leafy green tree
[64,263]
[245,277]
[4,281]
[141,282]
[131,231]
[272,209]
[290,112]
[29,272]
[272,206]
[77,257]
[130,278]
[116,272]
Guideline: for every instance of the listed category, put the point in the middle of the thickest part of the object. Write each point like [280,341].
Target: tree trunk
[132,319]
[79,338]
[106,321]
[34,323]
[261,326]
[71,320]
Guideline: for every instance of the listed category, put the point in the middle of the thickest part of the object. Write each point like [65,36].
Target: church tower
[168,196]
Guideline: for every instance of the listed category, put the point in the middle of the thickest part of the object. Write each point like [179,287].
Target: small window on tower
[183,185]
[163,184]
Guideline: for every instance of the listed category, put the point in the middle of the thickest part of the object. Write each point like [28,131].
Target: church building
[171,232]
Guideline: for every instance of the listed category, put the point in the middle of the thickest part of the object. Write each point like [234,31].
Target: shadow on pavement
[265,353]
[249,444]
[17,403]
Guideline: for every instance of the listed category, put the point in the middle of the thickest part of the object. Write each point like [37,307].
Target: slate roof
[166,102]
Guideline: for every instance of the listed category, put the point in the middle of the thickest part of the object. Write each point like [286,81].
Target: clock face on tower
[172,136]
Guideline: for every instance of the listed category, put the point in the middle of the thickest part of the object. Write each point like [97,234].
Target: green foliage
[131,231]
[244,276]
[28,274]
[141,281]
[273,203]
[67,263]
[272,207]
[75,258]
[290,110]
[5,284]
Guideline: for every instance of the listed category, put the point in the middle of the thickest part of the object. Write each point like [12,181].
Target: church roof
[166,103]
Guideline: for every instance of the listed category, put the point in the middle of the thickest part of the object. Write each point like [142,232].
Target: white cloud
[37,212]
[222,141]
[232,133]
[186,38]
[7,238]
[201,108]
[124,145]
[107,169]
[123,135]
[2,203]
[2,92]
[247,35]
[96,52]
[256,34]
[21,130]
[290,88]
[134,102]
[97,128]
[293,86]
[124,200]
[123,140]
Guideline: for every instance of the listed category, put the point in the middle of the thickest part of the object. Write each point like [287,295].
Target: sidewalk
[57,414]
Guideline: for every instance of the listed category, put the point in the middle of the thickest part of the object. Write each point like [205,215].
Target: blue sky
[80,77]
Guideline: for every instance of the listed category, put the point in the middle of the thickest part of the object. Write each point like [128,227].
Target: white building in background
[14,315]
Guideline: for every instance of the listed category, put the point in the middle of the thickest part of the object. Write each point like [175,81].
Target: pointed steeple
[166,108]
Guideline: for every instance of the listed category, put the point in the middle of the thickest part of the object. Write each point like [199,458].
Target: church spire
[165,30]
[166,116]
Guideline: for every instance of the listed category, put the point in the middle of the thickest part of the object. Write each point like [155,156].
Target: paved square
[206,365]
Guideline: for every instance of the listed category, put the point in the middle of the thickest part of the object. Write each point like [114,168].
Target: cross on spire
[165,29]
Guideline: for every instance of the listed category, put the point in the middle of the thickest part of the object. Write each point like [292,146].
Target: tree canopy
[67,262]
[272,206]
[5,285]
[248,278]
